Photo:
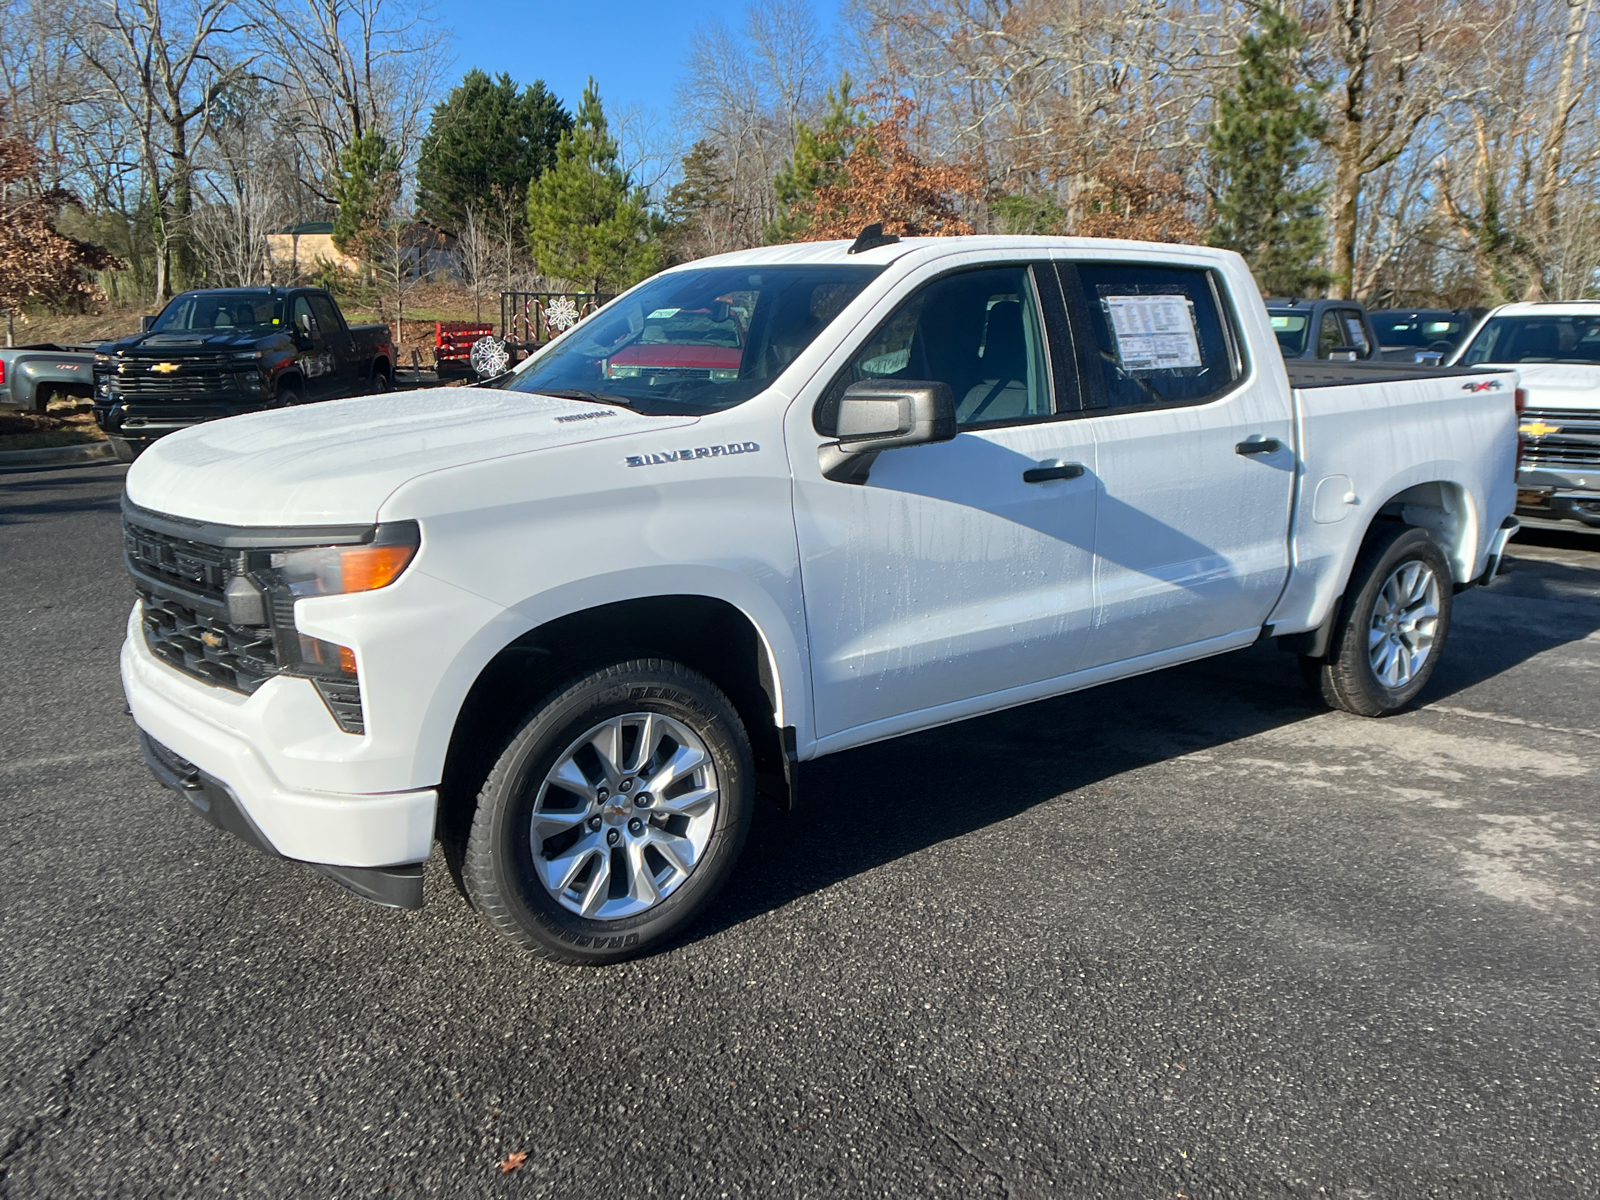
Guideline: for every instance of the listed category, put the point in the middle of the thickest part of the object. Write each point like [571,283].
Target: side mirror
[145,322]
[1344,354]
[302,340]
[1429,358]
[883,414]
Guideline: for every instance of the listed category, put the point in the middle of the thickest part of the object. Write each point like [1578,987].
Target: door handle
[1054,469]
[1258,446]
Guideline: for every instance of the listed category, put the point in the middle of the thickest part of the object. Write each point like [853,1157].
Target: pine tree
[365,189]
[818,162]
[486,133]
[587,222]
[1261,143]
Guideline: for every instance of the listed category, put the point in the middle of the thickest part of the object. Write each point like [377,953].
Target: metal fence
[529,319]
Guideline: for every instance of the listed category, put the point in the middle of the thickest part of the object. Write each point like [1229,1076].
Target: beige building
[297,249]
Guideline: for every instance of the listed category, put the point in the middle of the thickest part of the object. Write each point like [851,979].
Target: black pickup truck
[226,351]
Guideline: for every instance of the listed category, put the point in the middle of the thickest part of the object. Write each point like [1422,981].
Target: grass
[49,439]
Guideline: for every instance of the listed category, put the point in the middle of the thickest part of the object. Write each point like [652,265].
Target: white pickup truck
[762,508]
[1555,349]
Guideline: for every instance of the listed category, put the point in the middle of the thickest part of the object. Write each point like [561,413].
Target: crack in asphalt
[28,1134]
[949,1135]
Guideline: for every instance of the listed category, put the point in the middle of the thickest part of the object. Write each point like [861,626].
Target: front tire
[125,450]
[614,814]
[1396,618]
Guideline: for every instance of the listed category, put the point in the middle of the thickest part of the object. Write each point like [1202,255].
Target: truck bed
[1304,373]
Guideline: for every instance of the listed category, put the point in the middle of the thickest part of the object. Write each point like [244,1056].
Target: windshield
[1536,339]
[1423,330]
[213,311]
[694,341]
[1291,330]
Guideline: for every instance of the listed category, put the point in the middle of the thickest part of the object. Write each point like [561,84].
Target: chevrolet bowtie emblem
[1537,428]
[165,368]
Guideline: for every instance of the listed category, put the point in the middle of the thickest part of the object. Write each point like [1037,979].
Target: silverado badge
[165,368]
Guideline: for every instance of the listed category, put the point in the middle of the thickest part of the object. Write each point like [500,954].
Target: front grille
[181,584]
[1574,444]
[193,565]
[230,656]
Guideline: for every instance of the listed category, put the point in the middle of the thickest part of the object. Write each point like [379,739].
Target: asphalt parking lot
[1184,936]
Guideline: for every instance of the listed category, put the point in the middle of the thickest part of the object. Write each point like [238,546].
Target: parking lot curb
[56,456]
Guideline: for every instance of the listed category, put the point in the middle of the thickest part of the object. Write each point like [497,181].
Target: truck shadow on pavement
[864,808]
[85,493]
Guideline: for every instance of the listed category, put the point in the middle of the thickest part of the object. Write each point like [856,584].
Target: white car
[570,623]
[1555,349]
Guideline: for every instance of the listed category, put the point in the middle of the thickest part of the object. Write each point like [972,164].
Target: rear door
[1195,461]
[347,375]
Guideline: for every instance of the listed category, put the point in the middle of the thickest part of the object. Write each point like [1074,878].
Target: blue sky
[635,49]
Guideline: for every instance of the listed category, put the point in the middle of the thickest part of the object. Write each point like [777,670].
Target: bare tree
[477,252]
[348,67]
[164,62]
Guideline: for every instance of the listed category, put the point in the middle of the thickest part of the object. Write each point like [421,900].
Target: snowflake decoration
[562,314]
[489,357]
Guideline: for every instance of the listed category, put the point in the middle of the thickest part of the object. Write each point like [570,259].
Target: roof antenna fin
[871,238]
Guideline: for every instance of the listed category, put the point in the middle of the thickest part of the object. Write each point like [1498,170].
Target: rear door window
[1159,335]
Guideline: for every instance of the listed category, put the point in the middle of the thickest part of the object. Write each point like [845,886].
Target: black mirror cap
[880,414]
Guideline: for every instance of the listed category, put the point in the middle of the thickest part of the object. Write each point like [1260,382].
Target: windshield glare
[695,341]
[214,312]
[1573,339]
[1423,330]
[1290,329]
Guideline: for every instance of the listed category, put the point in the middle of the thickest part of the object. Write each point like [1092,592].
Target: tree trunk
[1355,48]
[1548,182]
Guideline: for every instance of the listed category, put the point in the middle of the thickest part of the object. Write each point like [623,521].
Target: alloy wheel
[624,816]
[1405,622]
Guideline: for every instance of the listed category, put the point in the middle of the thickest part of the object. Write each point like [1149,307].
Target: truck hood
[1560,385]
[198,341]
[335,463]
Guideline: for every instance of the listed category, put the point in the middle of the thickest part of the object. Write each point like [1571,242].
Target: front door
[346,375]
[1195,459]
[949,575]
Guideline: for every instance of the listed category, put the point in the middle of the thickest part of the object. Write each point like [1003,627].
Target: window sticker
[1358,336]
[661,314]
[1154,333]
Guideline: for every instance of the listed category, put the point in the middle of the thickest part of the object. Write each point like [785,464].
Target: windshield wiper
[587,397]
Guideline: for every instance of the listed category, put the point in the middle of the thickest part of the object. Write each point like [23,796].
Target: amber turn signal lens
[366,568]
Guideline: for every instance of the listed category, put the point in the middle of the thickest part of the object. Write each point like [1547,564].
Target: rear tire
[1393,627]
[614,814]
[380,382]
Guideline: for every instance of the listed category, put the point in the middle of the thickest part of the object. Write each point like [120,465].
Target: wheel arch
[1431,496]
[706,633]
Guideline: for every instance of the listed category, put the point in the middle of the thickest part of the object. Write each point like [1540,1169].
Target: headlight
[102,360]
[245,355]
[337,570]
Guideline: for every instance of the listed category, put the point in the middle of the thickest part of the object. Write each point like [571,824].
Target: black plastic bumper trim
[398,886]
[393,887]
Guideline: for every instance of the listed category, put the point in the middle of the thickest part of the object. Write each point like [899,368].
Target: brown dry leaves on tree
[1149,206]
[881,179]
[35,260]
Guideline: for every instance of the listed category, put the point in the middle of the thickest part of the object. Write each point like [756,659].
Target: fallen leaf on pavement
[511,1162]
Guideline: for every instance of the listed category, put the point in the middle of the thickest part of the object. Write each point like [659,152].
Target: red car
[705,343]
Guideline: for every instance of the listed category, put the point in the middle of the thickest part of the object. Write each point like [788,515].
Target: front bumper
[208,797]
[143,421]
[230,740]
[1557,499]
